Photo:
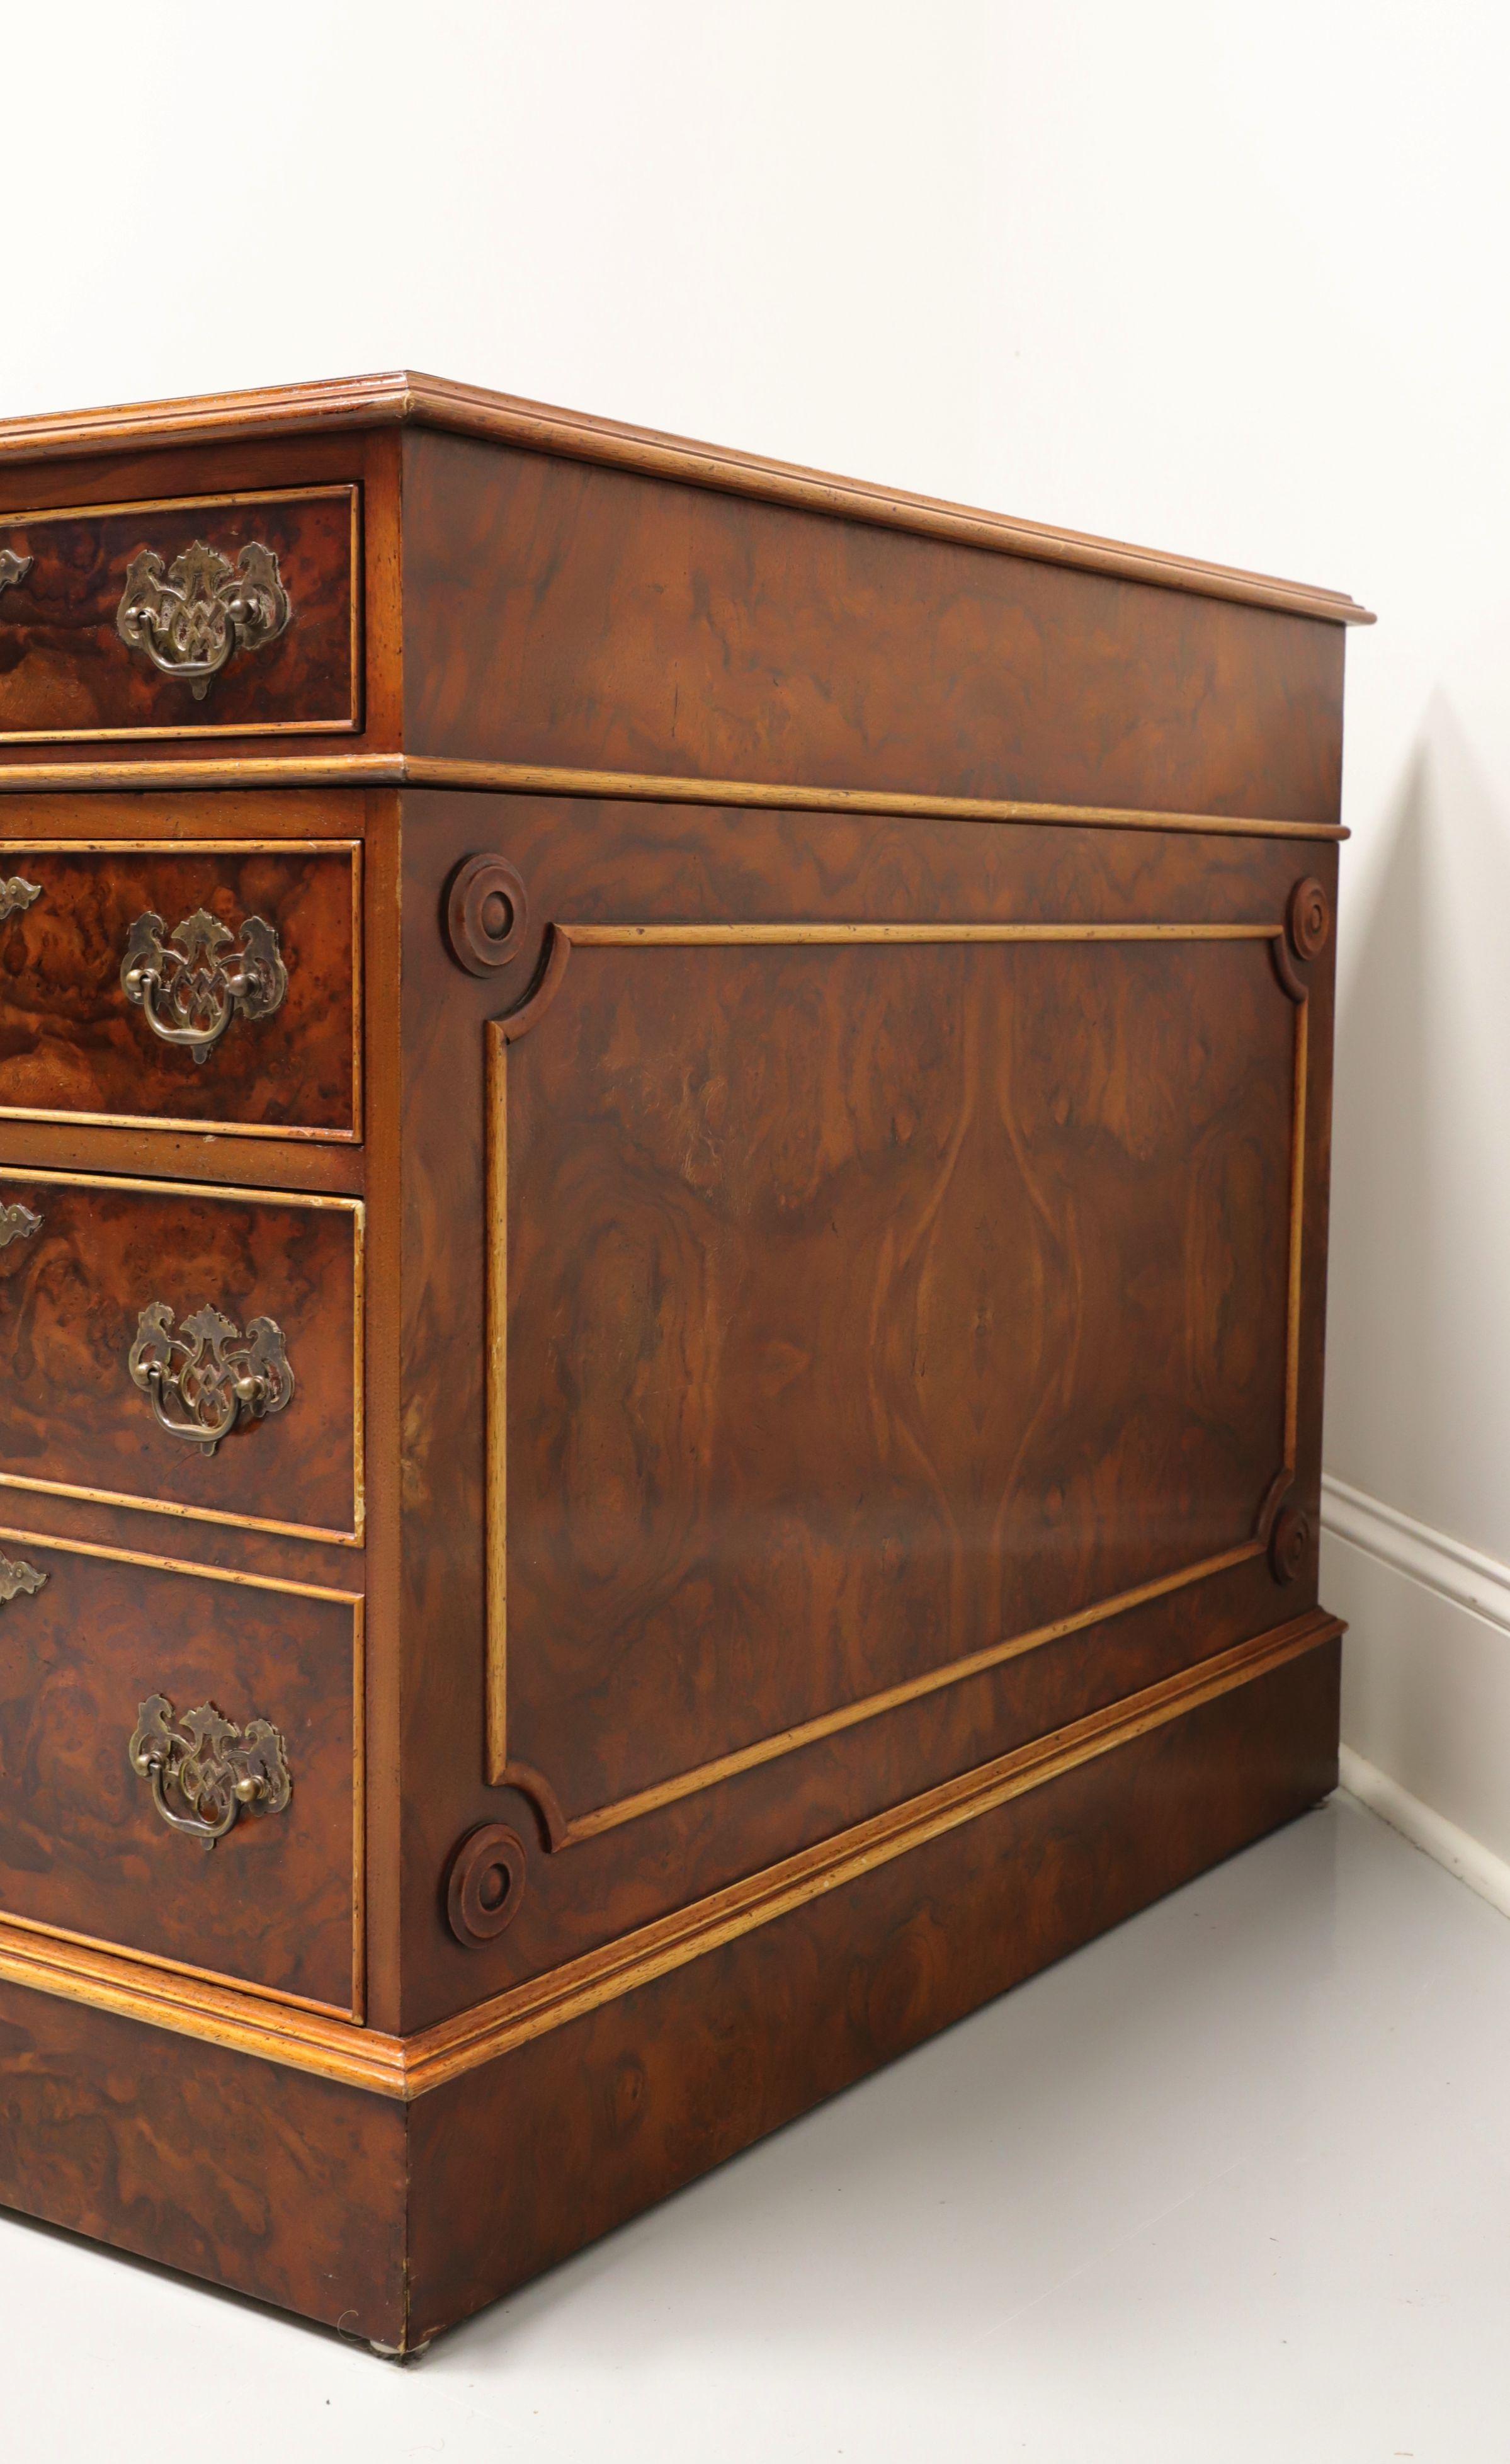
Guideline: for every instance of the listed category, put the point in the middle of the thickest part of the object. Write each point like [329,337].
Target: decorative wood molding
[624,786]
[231,1193]
[560,1830]
[408,2067]
[405,396]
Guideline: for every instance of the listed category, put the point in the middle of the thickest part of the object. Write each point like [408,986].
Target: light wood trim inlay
[627,787]
[564,1830]
[410,2067]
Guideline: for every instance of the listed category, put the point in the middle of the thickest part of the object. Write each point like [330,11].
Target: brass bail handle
[208,1379]
[191,982]
[214,1770]
[190,619]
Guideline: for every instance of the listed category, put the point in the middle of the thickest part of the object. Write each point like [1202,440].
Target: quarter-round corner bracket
[544,1804]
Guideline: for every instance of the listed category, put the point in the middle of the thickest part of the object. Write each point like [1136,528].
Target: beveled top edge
[404,395]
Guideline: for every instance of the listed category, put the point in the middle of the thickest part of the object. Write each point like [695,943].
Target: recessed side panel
[877,1308]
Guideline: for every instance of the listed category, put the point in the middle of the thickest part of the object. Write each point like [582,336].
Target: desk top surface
[403,397]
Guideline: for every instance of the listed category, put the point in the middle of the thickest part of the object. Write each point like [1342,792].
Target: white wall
[1227,281]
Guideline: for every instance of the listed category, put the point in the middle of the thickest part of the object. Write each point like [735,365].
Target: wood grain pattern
[274,412]
[70,1299]
[907,1224]
[394,2221]
[275,2183]
[673,866]
[582,2129]
[72,1043]
[663,629]
[879,1327]
[65,671]
[83,1848]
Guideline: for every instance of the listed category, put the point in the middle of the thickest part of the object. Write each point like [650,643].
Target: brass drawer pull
[193,981]
[13,567]
[17,1222]
[16,895]
[216,1377]
[190,619]
[16,1575]
[210,1767]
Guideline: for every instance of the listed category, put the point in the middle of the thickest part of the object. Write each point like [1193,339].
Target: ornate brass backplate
[206,1771]
[13,567]
[17,1222]
[189,619]
[16,895]
[193,981]
[208,1379]
[16,1575]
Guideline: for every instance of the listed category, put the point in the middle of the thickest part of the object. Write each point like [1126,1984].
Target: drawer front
[211,983]
[184,618]
[182,1349]
[217,1682]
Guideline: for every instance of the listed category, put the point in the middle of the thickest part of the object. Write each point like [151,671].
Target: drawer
[258,1685]
[187,617]
[188,982]
[193,1350]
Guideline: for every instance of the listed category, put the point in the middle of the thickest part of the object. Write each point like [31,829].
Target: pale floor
[1233,2182]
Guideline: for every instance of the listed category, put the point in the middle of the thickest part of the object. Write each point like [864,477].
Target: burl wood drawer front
[101,1652]
[215,982]
[233,1317]
[881,1303]
[190,617]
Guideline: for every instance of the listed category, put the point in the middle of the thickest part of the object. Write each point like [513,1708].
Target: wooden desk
[663,1207]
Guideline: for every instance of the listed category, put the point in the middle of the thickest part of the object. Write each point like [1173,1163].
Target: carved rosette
[1308,919]
[1289,1543]
[485,914]
[486,1884]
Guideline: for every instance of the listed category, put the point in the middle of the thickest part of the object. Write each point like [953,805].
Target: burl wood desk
[662,1212]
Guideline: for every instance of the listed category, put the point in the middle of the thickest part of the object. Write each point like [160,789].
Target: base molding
[1426,1829]
[406,2067]
[393,2216]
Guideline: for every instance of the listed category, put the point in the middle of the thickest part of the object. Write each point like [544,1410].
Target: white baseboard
[1468,1858]
[1426,1683]
[1446,1565]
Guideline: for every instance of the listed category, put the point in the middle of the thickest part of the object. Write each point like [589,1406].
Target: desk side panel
[572,615]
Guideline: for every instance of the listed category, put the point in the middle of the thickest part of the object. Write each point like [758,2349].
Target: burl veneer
[664,1140]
